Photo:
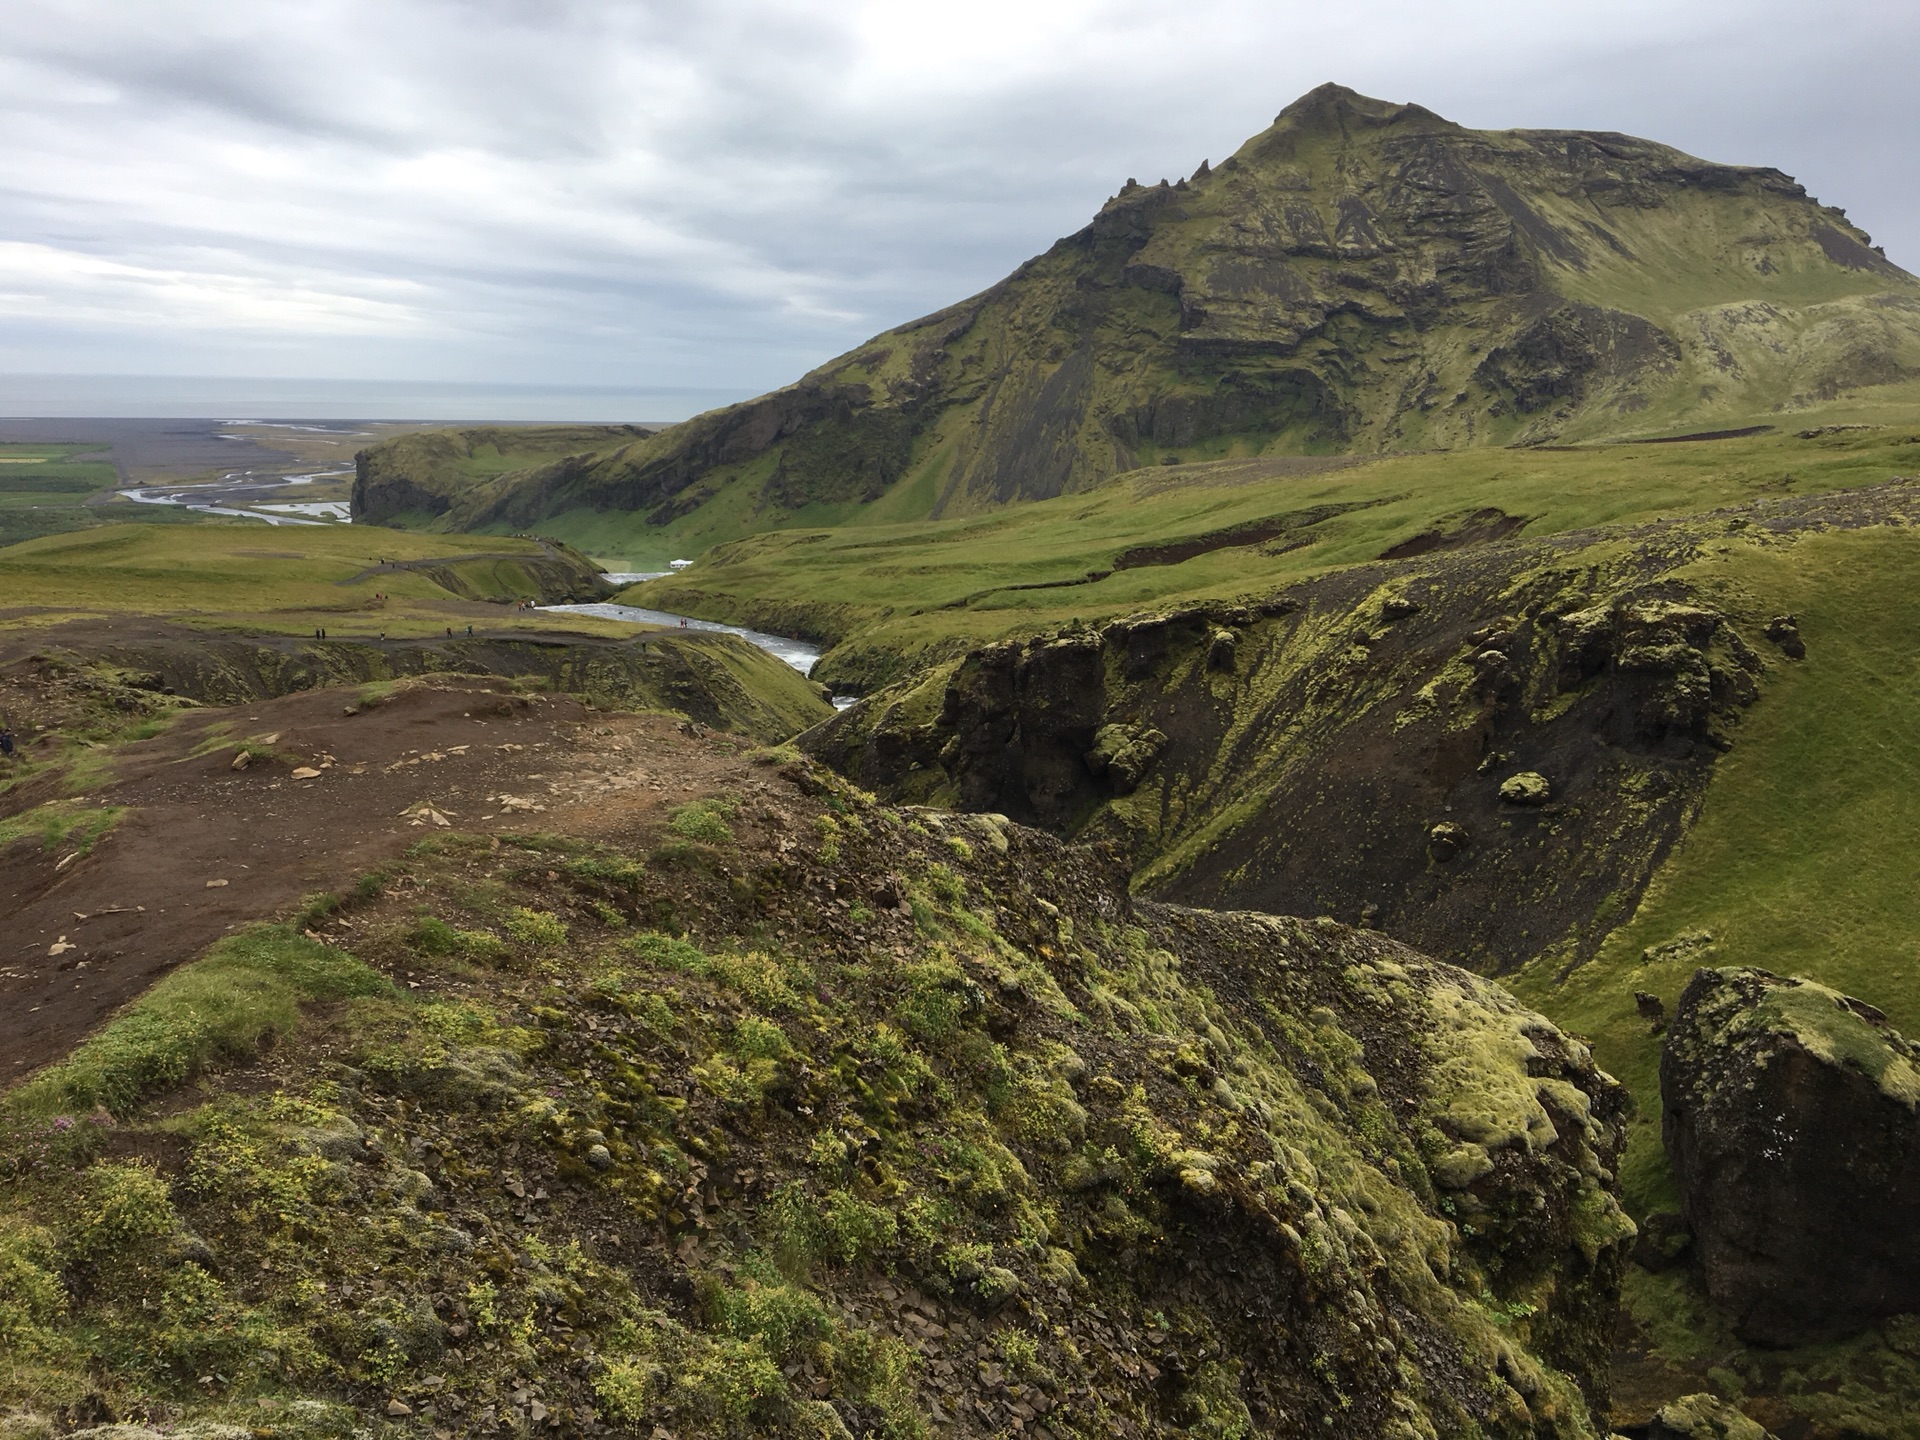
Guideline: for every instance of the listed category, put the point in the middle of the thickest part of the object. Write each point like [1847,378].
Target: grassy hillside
[1801,860]
[1790,851]
[889,594]
[417,478]
[1360,278]
[642,1127]
[291,579]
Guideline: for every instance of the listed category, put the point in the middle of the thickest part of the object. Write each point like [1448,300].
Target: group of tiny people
[320,632]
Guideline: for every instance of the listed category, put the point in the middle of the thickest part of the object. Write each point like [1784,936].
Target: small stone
[397,1407]
[216,884]
[1220,650]
[242,759]
[1446,840]
[1652,1009]
[1529,787]
[600,1158]
[306,772]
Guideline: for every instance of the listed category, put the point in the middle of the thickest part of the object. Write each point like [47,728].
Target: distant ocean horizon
[213,397]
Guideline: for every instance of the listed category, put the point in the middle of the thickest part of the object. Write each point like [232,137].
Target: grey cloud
[720,193]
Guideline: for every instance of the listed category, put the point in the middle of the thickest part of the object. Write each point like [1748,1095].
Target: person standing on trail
[6,743]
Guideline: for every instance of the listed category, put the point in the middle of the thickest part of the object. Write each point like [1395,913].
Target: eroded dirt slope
[205,849]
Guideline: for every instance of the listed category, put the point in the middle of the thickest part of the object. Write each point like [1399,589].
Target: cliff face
[1487,751]
[1361,276]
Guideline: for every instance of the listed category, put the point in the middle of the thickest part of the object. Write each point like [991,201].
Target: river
[797,653]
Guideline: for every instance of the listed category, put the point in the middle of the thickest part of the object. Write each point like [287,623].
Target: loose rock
[1529,787]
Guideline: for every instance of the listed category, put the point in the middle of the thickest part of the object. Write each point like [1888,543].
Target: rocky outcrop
[1483,749]
[1792,1118]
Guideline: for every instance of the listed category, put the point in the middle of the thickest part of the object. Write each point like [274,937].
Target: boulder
[1792,1118]
[1704,1417]
[1529,787]
[1124,754]
[1220,650]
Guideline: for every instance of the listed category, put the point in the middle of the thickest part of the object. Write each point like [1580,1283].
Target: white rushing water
[797,653]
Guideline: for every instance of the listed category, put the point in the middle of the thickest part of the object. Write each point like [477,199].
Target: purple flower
[63,1123]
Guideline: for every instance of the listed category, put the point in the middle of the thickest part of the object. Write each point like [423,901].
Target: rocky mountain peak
[1362,276]
[1336,108]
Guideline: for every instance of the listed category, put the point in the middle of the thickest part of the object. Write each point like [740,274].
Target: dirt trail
[79,940]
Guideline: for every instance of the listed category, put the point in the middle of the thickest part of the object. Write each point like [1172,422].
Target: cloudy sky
[677,202]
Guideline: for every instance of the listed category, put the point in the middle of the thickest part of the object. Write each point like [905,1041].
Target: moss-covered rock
[1792,1118]
[1703,1417]
[1529,787]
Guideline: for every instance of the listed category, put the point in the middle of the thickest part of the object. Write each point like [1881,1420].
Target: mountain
[1360,277]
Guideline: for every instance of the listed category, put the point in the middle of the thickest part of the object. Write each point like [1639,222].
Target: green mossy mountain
[1360,277]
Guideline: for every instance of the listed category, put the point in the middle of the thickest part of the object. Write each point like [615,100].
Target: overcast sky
[701,199]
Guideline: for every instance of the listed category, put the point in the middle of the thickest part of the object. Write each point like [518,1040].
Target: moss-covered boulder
[1529,787]
[1792,1117]
[1704,1417]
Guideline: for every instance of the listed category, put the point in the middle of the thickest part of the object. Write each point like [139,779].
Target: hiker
[6,744]
[469,629]
[449,632]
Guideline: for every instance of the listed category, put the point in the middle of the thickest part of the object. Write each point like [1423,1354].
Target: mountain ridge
[1362,277]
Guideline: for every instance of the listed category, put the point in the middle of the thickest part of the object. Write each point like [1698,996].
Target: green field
[47,490]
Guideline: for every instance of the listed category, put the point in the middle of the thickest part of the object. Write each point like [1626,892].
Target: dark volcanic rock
[1790,1117]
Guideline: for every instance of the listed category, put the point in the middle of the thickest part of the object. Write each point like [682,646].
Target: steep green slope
[1361,277]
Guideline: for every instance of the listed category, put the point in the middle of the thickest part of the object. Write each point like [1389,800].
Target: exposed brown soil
[1481,527]
[1253,532]
[1704,435]
[144,900]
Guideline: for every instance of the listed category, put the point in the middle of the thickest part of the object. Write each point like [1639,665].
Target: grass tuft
[245,992]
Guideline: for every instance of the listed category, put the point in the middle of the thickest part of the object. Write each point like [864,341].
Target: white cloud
[723,192]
